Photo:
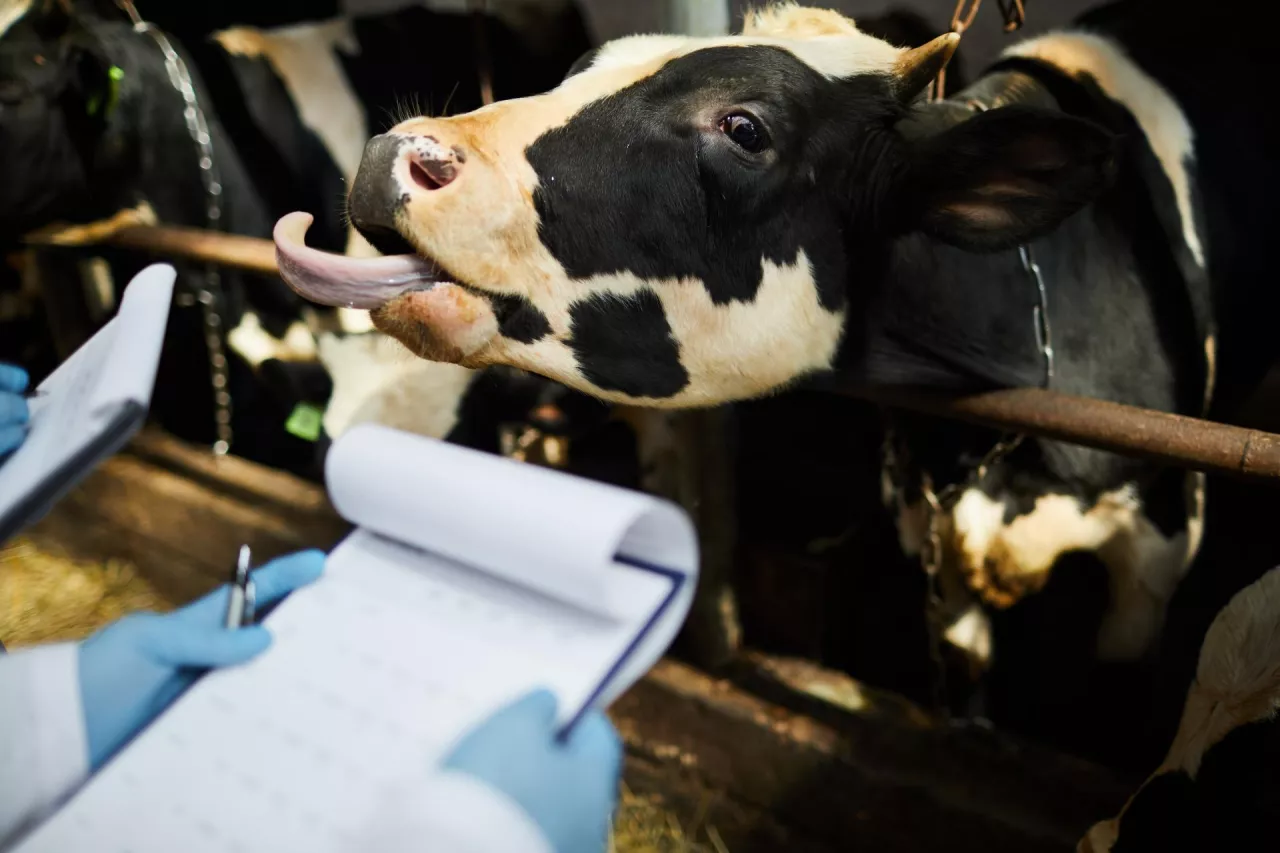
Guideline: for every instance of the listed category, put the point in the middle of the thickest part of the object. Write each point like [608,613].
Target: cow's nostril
[423,178]
[432,165]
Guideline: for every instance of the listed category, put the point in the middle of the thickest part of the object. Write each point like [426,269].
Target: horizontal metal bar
[230,250]
[1173,439]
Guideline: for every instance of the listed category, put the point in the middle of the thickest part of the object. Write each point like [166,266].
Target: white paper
[531,525]
[78,400]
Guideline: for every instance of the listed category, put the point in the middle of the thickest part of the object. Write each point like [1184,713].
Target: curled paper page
[539,528]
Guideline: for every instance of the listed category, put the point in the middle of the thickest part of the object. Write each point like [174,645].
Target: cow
[1218,787]
[93,124]
[688,222]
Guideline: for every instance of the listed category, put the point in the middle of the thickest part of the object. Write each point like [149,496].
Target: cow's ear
[1005,177]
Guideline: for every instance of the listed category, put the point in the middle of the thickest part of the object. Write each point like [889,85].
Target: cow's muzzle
[396,167]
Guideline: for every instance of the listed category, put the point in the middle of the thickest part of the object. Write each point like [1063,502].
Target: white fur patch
[1162,121]
[11,11]
[733,351]
[375,380]
[255,345]
[972,633]
[833,56]
[1002,561]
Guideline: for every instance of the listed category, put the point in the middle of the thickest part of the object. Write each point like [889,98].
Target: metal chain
[1041,311]
[931,551]
[210,293]
[1013,12]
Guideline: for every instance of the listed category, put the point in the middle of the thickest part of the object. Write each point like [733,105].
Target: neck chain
[208,292]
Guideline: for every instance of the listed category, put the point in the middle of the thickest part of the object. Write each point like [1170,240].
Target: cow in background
[93,126]
[1218,787]
[687,222]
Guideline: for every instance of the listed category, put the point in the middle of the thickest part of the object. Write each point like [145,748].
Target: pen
[240,602]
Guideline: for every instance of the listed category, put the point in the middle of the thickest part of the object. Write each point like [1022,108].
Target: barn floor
[47,596]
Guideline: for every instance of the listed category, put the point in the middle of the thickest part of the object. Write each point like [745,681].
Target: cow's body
[1152,301]
[1132,319]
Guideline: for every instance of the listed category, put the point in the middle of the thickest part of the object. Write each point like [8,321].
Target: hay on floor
[644,825]
[47,597]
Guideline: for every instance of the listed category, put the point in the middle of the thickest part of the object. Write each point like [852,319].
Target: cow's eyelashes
[746,131]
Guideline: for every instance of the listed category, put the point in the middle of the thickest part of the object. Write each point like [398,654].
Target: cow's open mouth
[338,280]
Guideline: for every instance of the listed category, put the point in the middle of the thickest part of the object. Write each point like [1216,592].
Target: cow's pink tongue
[327,279]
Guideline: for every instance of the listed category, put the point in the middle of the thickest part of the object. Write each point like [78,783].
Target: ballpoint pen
[240,602]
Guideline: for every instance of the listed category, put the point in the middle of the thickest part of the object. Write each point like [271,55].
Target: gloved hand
[13,408]
[131,670]
[569,789]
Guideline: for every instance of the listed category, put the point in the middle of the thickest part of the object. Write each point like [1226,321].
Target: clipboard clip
[242,601]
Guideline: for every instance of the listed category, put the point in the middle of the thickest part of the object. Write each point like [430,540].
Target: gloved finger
[280,577]
[13,379]
[595,738]
[182,645]
[13,410]
[528,721]
[10,438]
[271,583]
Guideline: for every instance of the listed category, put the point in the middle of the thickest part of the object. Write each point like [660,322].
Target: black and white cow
[686,222]
[93,125]
[1218,787]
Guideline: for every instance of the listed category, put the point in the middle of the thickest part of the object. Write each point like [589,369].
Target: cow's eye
[745,131]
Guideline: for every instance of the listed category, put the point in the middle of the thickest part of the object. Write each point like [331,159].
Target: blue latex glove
[131,670]
[13,408]
[569,789]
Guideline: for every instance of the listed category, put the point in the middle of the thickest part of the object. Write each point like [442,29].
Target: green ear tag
[305,422]
[115,74]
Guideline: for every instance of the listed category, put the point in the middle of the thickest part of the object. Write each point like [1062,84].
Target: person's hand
[13,408]
[569,789]
[131,670]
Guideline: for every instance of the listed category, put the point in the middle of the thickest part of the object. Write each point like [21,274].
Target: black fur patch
[624,343]
[641,182]
[518,318]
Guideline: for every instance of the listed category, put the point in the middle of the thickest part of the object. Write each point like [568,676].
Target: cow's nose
[375,195]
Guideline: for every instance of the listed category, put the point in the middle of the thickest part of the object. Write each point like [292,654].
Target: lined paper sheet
[376,671]
[113,369]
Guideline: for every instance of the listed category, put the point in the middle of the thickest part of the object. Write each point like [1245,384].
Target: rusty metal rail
[194,244]
[1172,439]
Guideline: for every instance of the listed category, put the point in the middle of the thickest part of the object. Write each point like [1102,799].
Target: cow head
[56,91]
[686,221]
